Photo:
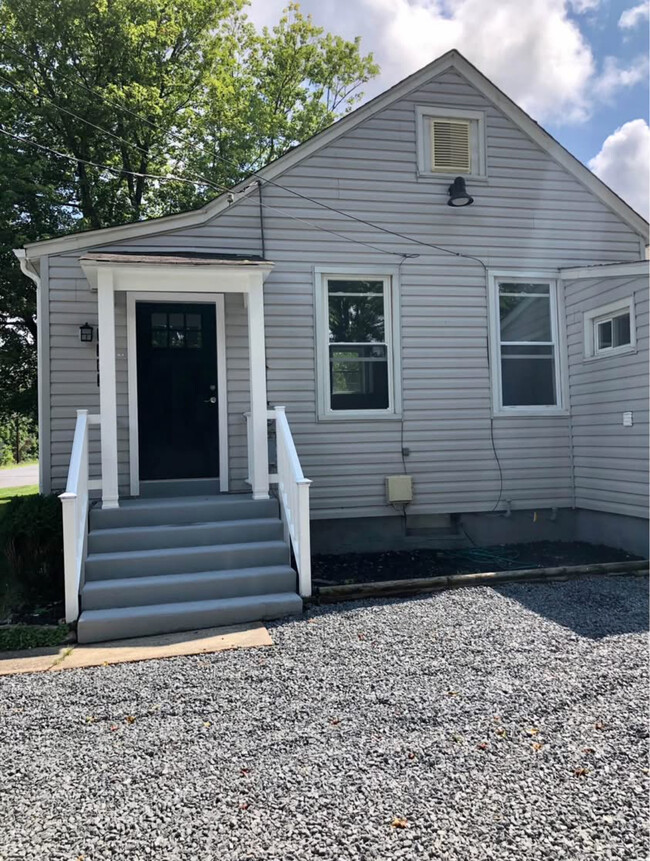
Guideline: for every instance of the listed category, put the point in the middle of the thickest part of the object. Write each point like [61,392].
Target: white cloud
[582,6]
[535,51]
[624,164]
[614,77]
[631,18]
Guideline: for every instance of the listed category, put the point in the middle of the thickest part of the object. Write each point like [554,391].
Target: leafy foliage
[31,540]
[18,440]
[141,88]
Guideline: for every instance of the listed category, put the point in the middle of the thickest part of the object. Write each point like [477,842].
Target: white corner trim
[451,60]
[222,393]
[606,270]
[107,388]
[132,386]
[132,376]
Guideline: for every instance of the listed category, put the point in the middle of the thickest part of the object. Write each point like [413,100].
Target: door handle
[211,400]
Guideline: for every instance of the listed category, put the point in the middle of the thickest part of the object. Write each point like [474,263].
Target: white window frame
[602,315]
[390,278]
[558,335]
[478,157]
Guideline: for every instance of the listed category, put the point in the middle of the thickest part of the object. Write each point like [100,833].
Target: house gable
[451,63]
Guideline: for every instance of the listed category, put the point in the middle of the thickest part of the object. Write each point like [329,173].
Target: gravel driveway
[505,723]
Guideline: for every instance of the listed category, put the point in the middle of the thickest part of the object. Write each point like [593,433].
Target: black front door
[177,390]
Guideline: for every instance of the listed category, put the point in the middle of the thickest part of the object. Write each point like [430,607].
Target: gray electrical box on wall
[399,489]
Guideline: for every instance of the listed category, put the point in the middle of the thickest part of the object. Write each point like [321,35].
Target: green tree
[186,89]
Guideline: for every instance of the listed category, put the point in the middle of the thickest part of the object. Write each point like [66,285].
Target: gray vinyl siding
[610,461]
[528,214]
[73,369]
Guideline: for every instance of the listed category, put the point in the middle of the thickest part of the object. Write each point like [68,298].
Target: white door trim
[132,370]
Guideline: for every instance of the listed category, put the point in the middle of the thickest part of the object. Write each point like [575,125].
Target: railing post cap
[67,495]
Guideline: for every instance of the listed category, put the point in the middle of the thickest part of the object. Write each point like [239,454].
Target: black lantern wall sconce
[86,333]
[458,195]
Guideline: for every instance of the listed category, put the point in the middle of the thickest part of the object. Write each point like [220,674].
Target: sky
[578,67]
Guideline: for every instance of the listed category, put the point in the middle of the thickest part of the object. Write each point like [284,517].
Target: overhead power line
[119,170]
[405,237]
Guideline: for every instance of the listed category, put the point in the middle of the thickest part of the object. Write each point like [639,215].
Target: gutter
[28,268]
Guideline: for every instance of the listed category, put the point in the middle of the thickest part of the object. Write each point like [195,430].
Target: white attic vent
[450,146]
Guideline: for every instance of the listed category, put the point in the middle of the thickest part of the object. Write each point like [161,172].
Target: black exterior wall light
[458,195]
[86,333]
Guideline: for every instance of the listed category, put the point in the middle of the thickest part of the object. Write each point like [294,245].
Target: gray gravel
[362,717]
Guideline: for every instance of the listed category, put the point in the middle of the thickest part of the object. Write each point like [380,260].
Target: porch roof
[175,258]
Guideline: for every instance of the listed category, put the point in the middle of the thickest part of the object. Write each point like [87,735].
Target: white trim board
[132,376]
[451,60]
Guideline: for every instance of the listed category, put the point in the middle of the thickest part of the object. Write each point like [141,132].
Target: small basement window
[355,345]
[610,330]
[451,142]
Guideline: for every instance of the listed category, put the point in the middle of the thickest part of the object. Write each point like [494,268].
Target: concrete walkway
[19,476]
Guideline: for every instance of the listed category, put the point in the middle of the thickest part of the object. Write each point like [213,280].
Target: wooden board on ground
[198,642]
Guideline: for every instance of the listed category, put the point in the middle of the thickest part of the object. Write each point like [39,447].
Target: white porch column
[259,452]
[107,386]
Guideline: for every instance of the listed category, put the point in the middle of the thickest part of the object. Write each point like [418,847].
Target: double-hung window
[355,333]
[526,360]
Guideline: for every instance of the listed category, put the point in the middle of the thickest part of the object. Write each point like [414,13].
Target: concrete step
[123,538]
[95,626]
[180,487]
[177,510]
[185,560]
[198,586]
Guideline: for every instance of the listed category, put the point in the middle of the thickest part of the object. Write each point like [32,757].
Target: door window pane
[159,338]
[176,330]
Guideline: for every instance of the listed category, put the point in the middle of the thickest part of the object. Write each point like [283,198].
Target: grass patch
[14,638]
[7,493]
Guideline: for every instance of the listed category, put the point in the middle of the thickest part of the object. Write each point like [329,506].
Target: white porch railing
[75,514]
[293,493]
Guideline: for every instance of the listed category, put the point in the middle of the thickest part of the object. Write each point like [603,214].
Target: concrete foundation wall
[377,534]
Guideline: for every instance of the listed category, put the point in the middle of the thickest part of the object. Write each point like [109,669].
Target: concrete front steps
[160,565]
